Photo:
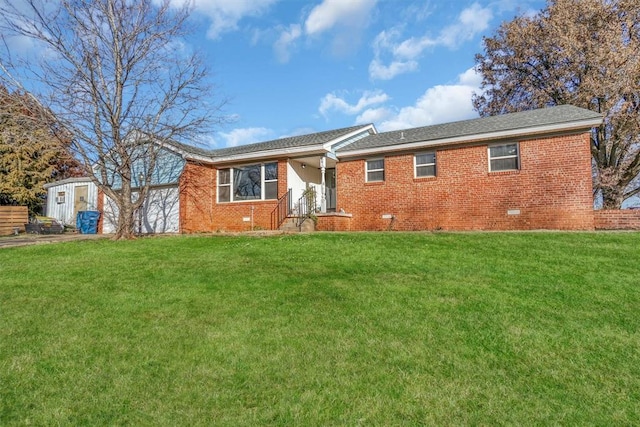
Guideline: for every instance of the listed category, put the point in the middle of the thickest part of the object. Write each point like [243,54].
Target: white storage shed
[67,197]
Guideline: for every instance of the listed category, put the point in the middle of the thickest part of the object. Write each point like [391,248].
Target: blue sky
[292,66]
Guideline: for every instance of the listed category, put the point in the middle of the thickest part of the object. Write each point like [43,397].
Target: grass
[323,329]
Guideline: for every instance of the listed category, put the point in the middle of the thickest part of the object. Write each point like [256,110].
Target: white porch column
[323,187]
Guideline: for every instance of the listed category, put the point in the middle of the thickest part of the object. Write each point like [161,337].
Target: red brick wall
[625,219]
[337,222]
[200,211]
[552,190]
[196,197]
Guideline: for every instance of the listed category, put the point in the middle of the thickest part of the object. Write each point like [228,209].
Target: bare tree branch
[117,75]
[583,53]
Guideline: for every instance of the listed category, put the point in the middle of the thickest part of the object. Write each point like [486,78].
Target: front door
[80,199]
[330,189]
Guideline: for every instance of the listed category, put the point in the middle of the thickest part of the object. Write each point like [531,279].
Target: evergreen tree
[31,154]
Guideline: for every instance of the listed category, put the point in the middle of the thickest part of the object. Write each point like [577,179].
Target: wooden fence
[12,217]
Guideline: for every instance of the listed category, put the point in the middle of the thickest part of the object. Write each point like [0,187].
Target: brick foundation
[334,222]
[624,219]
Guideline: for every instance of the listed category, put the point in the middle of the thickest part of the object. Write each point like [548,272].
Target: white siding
[64,212]
[298,179]
[161,212]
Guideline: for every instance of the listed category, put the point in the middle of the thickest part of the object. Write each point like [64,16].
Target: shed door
[80,196]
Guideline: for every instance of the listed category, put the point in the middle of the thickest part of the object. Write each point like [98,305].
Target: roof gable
[325,141]
[320,140]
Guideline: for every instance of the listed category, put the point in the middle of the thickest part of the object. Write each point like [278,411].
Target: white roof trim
[265,154]
[571,126]
[327,145]
[80,179]
[188,155]
[184,153]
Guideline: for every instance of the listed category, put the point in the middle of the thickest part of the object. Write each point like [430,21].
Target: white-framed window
[504,157]
[60,197]
[425,164]
[375,170]
[271,181]
[248,182]
[224,185]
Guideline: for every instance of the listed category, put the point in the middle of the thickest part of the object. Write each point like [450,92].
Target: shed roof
[73,180]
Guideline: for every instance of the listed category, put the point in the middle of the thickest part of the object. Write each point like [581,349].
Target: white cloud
[439,104]
[413,47]
[345,22]
[470,78]
[332,13]
[379,71]
[374,115]
[332,102]
[472,21]
[404,54]
[225,14]
[386,41]
[242,136]
[287,38]
[23,44]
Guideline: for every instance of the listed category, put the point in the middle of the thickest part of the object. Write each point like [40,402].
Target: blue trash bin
[87,222]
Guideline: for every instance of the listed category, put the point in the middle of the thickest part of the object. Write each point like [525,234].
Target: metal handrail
[302,210]
[282,211]
[306,206]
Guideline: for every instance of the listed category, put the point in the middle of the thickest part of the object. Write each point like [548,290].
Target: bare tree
[580,52]
[120,79]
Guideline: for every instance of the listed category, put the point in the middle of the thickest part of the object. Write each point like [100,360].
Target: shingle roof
[190,149]
[318,138]
[476,127]
[308,140]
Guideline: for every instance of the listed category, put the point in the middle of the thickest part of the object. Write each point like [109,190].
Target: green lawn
[323,329]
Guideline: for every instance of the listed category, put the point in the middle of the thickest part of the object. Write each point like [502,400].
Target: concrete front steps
[289,225]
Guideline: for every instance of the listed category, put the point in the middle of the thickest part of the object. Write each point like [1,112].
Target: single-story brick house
[528,170]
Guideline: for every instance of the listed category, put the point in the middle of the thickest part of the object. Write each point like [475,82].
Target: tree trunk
[126,222]
[612,198]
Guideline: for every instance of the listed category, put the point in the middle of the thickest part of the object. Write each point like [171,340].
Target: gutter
[266,154]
